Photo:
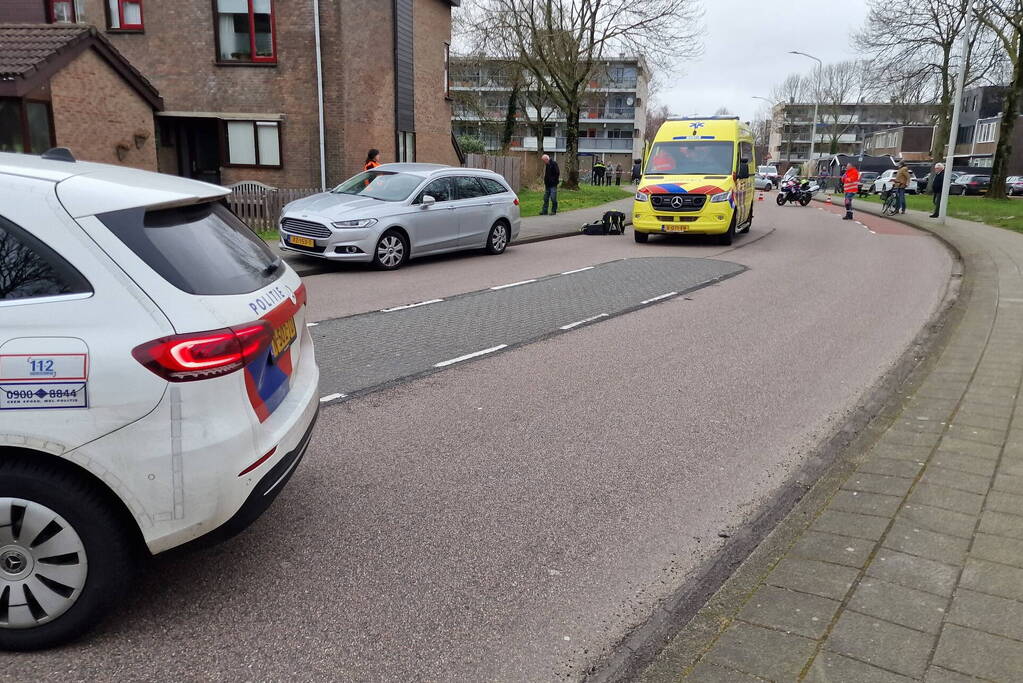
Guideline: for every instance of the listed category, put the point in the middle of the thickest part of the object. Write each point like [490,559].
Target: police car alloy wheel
[65,559]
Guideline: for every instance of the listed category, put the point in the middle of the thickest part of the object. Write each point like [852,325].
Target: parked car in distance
[769,172]
[400,211]
[867,179]
[157,382]
[763,182]
[970,184]
[886,181]
[1014,185]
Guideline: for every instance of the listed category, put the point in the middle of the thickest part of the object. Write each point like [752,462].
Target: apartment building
[909,143]
[842,129]
[611,125]
[240,81]
[980,126]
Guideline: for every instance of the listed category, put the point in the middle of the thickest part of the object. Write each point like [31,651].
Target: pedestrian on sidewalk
[901,183]
[618,174]
[851,185]
[551,176]
[637,171]
[372,160]
[937,185]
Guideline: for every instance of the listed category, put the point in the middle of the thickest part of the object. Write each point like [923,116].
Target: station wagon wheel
[497,240]
[391,251]
[66,558]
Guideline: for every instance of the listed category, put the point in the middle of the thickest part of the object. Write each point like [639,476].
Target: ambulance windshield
[691,157]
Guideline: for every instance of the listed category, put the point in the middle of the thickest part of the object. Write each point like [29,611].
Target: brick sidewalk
[911,567]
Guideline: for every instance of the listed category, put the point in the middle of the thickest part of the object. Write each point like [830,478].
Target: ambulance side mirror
[743,171]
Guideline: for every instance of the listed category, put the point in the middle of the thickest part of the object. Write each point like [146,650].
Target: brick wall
[95,111]
[433,111]
[177,53]
[24,12]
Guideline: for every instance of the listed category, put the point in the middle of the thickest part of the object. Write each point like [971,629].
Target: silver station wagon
[399,211]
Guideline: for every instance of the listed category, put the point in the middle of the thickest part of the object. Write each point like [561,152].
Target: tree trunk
[1003,150]
[509,119]
[571,177]
[941,134]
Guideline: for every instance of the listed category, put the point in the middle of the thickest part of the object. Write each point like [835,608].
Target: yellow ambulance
[697,179]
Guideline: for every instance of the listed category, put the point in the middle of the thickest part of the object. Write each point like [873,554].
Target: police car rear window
[200,249]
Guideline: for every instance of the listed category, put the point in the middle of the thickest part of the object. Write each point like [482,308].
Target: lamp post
[953,128]
[813,127]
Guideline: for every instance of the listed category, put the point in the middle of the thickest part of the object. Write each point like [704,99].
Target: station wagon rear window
[200,249]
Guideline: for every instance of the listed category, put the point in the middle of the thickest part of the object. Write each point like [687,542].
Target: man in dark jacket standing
[937,185]
[551,176]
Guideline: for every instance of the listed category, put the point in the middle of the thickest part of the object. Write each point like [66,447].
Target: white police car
[157,382]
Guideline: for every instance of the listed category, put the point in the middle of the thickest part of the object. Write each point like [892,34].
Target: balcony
[613,83]
[476,82]
[605,144]
[608,113]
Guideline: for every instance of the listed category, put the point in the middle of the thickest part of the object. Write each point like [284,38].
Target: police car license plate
[283,337]
[674,228]
[301,241]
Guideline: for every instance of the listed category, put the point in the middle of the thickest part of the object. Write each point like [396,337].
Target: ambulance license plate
[283,337]
[674,228]
[301,241]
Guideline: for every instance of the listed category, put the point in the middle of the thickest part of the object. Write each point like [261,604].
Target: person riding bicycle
[902,178]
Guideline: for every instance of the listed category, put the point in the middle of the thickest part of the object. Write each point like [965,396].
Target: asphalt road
[512,517]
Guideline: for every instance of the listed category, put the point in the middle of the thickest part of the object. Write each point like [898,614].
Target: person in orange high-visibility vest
[851,185]
[372,160]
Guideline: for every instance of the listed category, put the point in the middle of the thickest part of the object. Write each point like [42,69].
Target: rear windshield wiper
[273,267]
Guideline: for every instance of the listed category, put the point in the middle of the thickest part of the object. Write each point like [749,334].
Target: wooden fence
[508,167]
[260,207]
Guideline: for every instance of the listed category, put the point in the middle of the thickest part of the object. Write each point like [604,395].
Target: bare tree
[562,44]
[790,91]
[831,88]
[1004,18]
[917,41]
[655,116]
[721,111]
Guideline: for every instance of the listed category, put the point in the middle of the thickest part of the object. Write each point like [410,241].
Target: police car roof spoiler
[702,118]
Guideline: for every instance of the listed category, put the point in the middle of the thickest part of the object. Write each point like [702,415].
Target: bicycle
[890,207]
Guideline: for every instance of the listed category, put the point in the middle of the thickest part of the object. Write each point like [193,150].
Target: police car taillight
[203,355]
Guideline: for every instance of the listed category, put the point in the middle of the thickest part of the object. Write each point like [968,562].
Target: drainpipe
[319,94]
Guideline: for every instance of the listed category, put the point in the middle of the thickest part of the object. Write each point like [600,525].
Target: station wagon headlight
[720,197]
[642,196]
[361,223]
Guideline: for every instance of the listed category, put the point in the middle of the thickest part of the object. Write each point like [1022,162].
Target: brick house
[239,81]
[64,84]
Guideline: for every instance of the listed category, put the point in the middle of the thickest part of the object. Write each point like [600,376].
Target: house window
[25,126]
[447,70]
[986,132]
[124,15]
[406,146]
[62,11]
[245,31]
[253,143]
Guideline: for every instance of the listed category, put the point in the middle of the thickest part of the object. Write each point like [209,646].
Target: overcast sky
[745,46]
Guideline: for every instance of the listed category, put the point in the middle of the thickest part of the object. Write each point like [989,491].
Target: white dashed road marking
[514,284]
[330,397]
[577,270]
[658,298]
[406,306]
[583,322]
[467,356]
[311,324]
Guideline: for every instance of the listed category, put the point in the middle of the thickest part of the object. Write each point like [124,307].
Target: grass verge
[530,201]
[1001,213]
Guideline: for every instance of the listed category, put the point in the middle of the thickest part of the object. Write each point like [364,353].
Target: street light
[953,126]
[813,126]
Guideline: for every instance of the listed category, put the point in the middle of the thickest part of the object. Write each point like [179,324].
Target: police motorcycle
[794,190]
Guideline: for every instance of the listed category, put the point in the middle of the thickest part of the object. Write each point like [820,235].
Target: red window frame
[124,26]
[272,59]
[53,13]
